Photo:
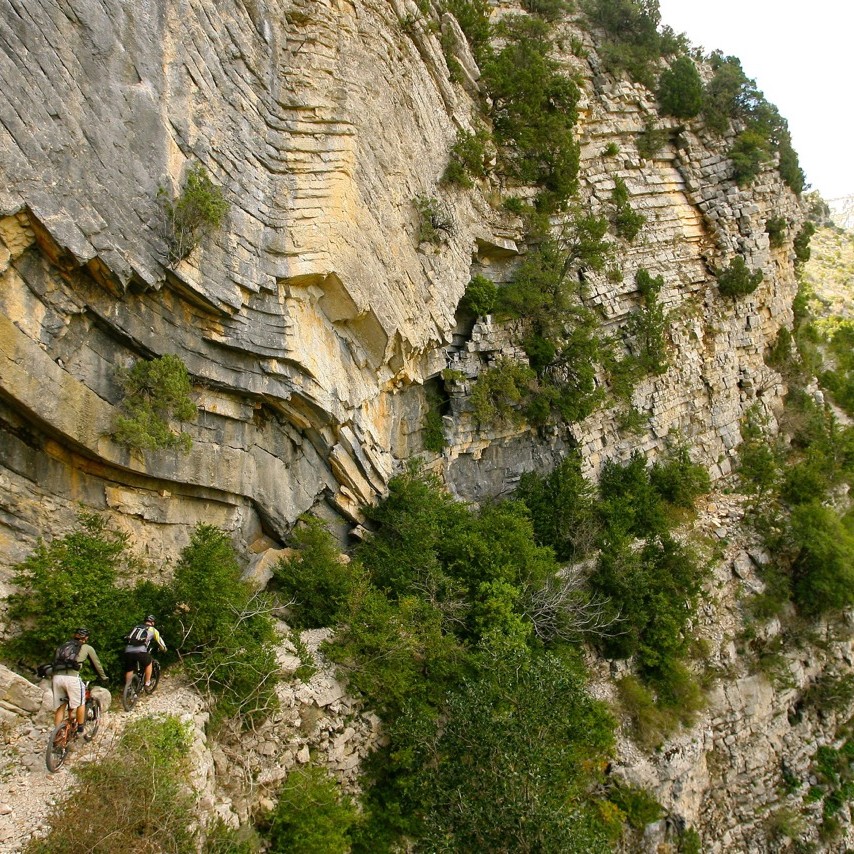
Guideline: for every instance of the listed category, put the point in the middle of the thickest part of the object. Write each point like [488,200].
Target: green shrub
[500,393]
[633,41]
[638,805]
[155,392]
[550,10]
[386,646]
[801,243]
[736,280]
[222,628]
[434,430]
[749,154]
[534,109]
[824,565]
[562,505]
[611,150]
[840,380]
[649,723]
[198,210]
[222,839]
[646,328]
[468,158]
[678,480]
[540,352]
[516,761]
[630,503]
[435,223]
[680,89]
[759,463]
[74,581]
[776,228]
[481,296]
[315,578]
[650,140]
[136,799]
[729,93]
[312,815]
[627,222]
[653,593]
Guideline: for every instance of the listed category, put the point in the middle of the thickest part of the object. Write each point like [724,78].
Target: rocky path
[28,791]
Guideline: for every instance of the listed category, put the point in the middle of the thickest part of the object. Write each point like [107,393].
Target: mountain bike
[65,733]
[137,686]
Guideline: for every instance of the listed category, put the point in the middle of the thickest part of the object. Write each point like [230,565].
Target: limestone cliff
[311,321]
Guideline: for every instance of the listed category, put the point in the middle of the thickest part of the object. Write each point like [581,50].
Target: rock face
[311,321]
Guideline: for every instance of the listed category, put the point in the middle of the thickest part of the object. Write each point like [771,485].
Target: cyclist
[68,687]
[139,640]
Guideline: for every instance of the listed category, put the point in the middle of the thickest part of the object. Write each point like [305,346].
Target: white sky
[801,55]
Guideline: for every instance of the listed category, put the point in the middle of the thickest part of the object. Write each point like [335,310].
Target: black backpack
[65,657]
[138,636]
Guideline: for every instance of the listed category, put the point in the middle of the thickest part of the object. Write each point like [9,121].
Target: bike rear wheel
[93,718]
[57,746]
[155,677]
[131,693]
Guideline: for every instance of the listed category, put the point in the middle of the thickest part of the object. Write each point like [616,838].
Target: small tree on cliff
[197,211]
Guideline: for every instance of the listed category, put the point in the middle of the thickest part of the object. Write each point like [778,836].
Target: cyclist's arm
[159,639]
[87,651]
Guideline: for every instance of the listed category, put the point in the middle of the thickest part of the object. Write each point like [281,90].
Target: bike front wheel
[130,694]
[93,718]
[155,677]
[57,746]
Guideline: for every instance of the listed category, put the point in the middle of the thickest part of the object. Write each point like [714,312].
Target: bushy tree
[222,627]
[550,10]
[501,392]
[824,565]
[627,222]
[677,479]
[634,41]
[468,158]
[737,280]
[516,761]
[315,579]
[749,154]
[801,243]
[73,581]
[155,392]
[534,109]
[481,296]
[198,210]
[312,815]
[630,502]
[680,89]
[562,505]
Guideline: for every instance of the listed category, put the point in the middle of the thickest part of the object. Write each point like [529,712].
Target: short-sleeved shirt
[152,635]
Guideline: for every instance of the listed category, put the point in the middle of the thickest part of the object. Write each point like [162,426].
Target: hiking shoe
[147,684]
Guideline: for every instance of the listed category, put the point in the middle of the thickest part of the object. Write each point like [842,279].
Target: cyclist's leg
[60,700]
[147,660]
[77,702]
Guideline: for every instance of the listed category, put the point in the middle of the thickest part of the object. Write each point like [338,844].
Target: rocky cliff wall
[309,322]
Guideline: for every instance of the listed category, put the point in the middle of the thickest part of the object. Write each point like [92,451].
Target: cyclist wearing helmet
[68,687]
[139,640]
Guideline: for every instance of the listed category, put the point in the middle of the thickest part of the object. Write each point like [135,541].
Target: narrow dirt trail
[30,791]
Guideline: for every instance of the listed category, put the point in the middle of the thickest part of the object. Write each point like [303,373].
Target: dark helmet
[81,633]
[150,619]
